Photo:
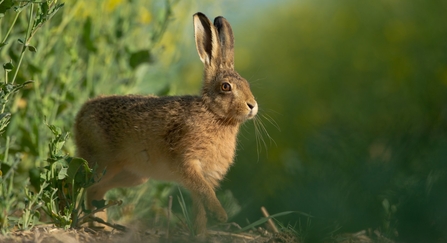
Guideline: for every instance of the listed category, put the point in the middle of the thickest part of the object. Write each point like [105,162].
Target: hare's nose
[253,108]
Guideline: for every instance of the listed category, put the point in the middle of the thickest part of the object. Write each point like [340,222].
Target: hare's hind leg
[115,176]
[97,191]
[203,195]
[109,181]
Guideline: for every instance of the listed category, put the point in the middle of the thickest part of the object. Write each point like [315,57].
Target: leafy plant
[8,88]
[31,214]
[100,57]
[64,182]
[8,195]
[6,92]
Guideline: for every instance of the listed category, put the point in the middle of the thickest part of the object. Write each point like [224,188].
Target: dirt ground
[51,234]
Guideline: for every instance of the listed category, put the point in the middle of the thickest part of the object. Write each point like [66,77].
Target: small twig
[115,226]
[90,230]
[235,225]
[243,236]
[270,221]
[169,215]
[110,204]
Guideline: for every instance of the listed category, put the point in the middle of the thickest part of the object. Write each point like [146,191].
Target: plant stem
[22,54]
[12,25]
[3,108]
[4,40]
[5,157]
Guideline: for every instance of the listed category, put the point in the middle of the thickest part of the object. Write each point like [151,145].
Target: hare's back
[122,130]
[110,114]
[115,119]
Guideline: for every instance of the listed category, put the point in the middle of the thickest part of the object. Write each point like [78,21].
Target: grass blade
[265,219]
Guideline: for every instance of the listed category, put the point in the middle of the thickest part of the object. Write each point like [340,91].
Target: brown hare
[187,139]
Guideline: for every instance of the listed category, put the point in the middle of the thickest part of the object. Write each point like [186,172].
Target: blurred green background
[353,96]
[358,90]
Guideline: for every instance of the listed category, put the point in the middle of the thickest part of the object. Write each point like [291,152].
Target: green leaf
[139,57]
[8,66]
[5,6]
[4,121]
[62,173]
[5,168]
[21,7]
[21,41]
[34,178]
[17,87]
[73,167]
[45,13]
[99,203]
[5,115]
[55,130]
[9,88]
[32,49]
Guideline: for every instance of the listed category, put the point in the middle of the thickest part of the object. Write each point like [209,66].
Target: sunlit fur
[187,139]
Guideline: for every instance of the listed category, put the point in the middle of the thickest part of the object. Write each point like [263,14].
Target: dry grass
[137,234]
[51,234]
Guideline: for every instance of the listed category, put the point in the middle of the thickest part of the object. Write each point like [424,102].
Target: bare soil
[52,234]
[137,234]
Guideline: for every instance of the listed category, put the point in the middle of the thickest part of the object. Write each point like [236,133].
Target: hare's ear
[207,41]
[226,40]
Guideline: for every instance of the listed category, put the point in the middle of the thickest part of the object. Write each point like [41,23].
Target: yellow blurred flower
[144,16]
[84,8]
[111,5]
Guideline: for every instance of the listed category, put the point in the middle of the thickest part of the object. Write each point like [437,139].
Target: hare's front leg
[199,214]
[203,195]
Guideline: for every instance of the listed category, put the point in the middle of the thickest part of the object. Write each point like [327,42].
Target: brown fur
[187,139]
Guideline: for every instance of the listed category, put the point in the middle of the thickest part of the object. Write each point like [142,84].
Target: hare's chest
[218,158]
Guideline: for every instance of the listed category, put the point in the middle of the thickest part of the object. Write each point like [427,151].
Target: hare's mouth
[250,115]
[242,117]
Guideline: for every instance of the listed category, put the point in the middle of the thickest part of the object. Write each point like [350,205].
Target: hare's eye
[225,87]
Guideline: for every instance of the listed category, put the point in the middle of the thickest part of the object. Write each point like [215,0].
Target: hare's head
[225,92]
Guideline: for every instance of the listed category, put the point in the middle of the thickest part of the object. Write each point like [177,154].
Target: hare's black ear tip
[218,20]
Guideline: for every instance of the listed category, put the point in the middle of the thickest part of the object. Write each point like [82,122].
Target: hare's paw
[219,214]
[200,229]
